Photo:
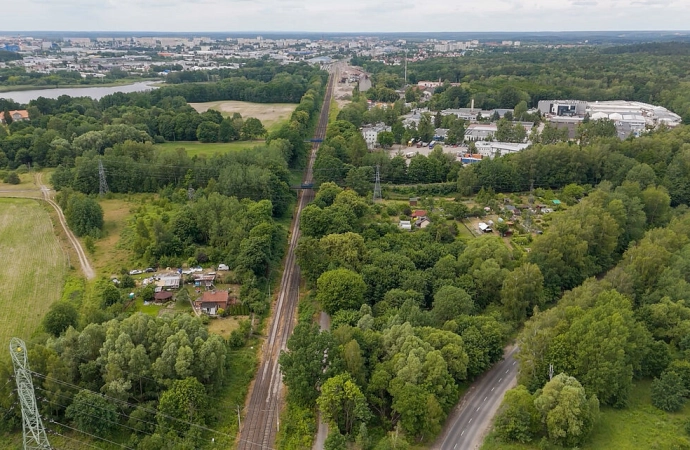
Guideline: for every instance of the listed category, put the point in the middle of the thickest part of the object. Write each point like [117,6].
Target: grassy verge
[32,277]
[333,111]
[108,258]
[243,365]
[195,148]
[639,426]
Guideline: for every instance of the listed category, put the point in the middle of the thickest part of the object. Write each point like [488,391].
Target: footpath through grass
[195,148]
[33,269]
[639,426]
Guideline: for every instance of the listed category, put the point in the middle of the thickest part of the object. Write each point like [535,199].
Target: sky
[344,15]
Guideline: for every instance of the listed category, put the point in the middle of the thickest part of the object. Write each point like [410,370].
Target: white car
[135,272]
[223,267]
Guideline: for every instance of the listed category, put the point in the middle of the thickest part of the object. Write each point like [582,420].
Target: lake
[95,92]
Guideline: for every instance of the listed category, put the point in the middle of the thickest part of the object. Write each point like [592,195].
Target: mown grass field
[270,114]
[639,426]
[195,148]
[33,269]
[108,258]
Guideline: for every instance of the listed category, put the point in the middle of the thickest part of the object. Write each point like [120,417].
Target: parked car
[150,270]
[223,267]
[135,272]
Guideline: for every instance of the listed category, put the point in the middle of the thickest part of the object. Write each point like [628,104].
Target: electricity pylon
[377,186]
[35,437]
[103,183]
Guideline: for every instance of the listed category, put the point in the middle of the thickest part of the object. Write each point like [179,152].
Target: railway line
[261,423]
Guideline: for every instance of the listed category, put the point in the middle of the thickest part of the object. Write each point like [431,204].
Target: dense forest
[126,378]
[64,129]
[655,73]
[416,315]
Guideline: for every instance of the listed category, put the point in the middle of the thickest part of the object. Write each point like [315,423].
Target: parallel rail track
[261,422]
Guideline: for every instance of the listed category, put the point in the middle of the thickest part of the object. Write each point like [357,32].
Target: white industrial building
[493,149]
[371,134]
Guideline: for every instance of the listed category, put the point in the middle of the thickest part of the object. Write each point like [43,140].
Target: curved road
[261,423]
[468,423]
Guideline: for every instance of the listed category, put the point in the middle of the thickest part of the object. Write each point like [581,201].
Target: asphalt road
[469,422]
[262,419]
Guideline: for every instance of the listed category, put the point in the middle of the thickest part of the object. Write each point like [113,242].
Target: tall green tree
[567,413]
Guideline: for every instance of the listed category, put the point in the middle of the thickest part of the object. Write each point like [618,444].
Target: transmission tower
[377,186]
[35,437]
[103,183]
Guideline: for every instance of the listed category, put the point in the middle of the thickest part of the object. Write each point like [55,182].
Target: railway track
[261,423]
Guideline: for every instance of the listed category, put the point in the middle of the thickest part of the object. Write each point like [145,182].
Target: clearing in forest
[269,114]
[196,148]
[33,269]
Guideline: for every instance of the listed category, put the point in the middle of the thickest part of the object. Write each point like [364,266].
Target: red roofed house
[211,301]
[17,116]
[418,213]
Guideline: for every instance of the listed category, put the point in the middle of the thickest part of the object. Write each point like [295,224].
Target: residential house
[418,213]
[169,281]
[211,301]
[19,115]
[204,280]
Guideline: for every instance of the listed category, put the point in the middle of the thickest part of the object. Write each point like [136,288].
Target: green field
[639,426]
[195,148]
[33,269]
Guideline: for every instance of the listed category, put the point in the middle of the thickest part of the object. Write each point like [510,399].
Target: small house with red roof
[211,301]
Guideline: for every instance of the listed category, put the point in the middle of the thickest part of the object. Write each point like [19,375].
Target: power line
[90,435]
[99,417]
[148,410]
[71,439]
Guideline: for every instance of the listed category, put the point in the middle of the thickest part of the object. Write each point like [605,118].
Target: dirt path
[83,260]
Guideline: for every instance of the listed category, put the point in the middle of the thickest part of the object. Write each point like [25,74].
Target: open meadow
[639,426]
[196,148]
[270,114]
[33,269]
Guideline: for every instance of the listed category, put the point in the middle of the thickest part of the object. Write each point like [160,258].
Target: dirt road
[89,273]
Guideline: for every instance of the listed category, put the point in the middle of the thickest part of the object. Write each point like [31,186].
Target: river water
[94,92]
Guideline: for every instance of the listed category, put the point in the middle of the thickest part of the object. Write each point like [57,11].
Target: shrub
[59,317]
[12,178]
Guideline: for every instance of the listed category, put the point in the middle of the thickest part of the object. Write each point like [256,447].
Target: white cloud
[343,16]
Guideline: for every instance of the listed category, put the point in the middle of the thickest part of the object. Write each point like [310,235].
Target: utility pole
[102,182]
[239,422]
[377,186]
[35,437]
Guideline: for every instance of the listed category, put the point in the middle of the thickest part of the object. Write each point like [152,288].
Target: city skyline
[351,16]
